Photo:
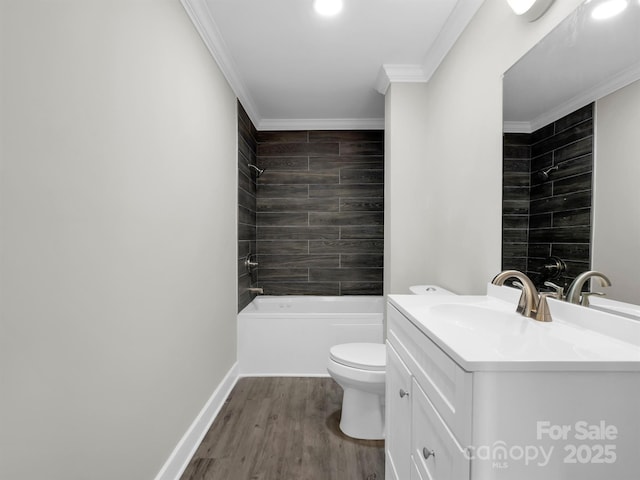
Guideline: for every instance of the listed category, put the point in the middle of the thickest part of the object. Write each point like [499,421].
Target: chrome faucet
[575,295]
[528,303]
[256,290]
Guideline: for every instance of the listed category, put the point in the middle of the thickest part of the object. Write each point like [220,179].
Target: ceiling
[292,69]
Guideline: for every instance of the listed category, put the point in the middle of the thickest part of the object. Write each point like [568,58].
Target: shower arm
[259,171]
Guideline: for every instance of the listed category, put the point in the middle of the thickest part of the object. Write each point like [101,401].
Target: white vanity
[477,391]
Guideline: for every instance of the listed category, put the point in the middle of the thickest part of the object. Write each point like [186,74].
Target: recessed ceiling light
[608,9]
[327,8]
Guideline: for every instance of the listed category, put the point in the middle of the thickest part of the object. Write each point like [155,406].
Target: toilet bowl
[359,368]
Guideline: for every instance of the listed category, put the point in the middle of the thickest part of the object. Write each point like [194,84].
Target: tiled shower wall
[320,205]
[246,205]
[558,211]
[516,178]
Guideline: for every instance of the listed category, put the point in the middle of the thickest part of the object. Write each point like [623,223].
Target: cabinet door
[437,453]
[398,417]
[415,473]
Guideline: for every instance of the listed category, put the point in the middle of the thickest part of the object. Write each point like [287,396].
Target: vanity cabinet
[502,420]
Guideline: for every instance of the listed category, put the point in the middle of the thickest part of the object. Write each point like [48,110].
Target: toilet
[360,369]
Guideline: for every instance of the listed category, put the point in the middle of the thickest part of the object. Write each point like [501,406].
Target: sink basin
[479,319]
[485,333]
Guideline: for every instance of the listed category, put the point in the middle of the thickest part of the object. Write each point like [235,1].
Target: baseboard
[186,447]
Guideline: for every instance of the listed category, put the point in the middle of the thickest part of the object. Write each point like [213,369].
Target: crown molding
[599,91]
[460,17]
[267,124]
[516,127]
[458,20]
[198,11]
[398,74]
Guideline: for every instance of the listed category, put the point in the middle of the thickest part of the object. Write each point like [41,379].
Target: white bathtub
[291,335]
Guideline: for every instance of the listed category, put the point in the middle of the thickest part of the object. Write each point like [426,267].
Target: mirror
[571,166]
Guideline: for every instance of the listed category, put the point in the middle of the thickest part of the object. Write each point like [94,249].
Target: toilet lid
[366,356]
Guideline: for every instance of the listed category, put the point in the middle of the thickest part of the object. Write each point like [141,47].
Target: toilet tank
[430,290]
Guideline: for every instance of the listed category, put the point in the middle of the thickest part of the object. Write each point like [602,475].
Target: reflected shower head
[544,174]
[259,171]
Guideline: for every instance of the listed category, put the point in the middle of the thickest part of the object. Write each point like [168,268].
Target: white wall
[406,210]
[616,222]
[446,224]
[118,245]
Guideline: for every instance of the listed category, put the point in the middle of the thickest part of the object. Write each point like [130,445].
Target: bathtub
[291,335]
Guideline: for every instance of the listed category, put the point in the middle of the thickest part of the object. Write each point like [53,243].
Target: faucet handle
[584,298]
[559,291]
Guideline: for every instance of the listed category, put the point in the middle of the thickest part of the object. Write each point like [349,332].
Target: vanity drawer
[447,385]
[436,453]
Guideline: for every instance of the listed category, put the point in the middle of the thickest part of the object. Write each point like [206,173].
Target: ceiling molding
[399,74]
[603,89]
[267,124]
[460,17]
[516,127]
[458,20]
[197,10]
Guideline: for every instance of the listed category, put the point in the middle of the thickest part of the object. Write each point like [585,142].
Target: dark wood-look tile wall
[561,203]
[558,206]
[247,219]
[516,176]
[320,205]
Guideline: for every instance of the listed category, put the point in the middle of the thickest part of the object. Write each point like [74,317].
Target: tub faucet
[528,303]
[249,263]
[575,295]
[256,290]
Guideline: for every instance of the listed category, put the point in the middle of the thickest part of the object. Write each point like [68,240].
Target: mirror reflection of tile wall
[549,215]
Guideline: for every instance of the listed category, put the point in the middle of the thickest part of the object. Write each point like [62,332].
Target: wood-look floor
[284,429]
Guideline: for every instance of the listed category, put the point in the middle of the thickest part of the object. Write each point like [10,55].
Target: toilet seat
[364,356]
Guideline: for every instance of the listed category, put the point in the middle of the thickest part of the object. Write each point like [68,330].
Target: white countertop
[484,333]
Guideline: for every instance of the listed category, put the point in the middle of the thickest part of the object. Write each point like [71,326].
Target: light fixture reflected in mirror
[530,10]
[608,9]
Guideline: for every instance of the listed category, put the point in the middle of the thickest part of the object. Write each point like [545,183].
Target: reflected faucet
[575,295]
[528,303]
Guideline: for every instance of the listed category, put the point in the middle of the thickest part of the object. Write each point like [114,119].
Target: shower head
[259,171]
[544,174]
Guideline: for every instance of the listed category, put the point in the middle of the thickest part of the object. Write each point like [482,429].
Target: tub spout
[256,290]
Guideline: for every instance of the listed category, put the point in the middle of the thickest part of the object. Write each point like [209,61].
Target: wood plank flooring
[283,428]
